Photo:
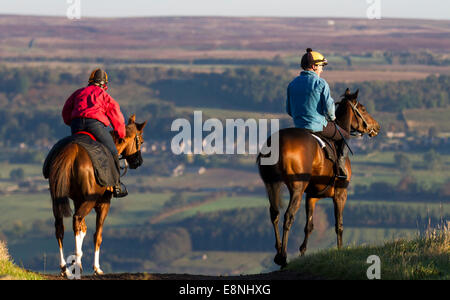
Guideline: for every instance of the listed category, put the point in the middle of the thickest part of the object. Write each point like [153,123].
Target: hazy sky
[422,9]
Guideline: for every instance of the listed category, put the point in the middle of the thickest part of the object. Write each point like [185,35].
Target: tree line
[406,190]
[246,88]
[31,98]
[264,89]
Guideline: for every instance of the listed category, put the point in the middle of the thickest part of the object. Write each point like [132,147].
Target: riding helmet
[311,58]
[98,77]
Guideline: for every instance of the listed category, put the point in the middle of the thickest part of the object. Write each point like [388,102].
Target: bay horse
[72,176]
[303,168]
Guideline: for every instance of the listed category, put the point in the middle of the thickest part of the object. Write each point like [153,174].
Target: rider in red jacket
[92,109]
[93,102]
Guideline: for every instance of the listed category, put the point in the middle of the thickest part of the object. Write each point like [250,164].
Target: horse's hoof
[280,260]
[64,272]
[72,271]
[98,272]
[302,251]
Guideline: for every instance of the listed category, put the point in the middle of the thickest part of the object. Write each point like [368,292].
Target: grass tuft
[425,257]
[9,271]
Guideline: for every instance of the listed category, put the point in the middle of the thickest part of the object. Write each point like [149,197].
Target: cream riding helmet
[311,58]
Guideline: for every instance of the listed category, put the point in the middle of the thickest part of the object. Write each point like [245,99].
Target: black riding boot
[343,153]
[120,189]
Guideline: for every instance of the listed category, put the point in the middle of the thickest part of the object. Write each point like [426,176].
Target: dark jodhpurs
[100,132]
[97,129]
[331,132]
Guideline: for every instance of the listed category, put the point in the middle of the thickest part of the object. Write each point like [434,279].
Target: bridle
[359,114]
[133,160]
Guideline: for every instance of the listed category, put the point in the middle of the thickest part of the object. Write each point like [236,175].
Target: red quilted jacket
[93,102]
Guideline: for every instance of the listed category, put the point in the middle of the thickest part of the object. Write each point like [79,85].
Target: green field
[381,167]
[30,170]
[422,120]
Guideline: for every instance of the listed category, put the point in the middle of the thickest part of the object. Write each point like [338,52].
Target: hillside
[57,38]
[10,271]
[426,257]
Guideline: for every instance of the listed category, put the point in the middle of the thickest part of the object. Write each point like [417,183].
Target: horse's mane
[340,108]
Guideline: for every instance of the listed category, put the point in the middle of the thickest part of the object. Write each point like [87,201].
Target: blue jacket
[309,101]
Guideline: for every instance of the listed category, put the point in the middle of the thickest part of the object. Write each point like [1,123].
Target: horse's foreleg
[289,216]
[339,202]
[309,206]
[102,211]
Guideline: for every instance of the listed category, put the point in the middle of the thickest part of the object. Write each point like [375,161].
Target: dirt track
[277,275]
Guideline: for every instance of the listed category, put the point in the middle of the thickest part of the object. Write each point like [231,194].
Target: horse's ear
[355,95]
[347,93]
[132,119]
[141,126]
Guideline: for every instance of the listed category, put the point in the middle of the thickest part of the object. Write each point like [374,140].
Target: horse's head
[361,121]
[130,146]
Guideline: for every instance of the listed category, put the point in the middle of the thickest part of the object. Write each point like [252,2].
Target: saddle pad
[319,140]
[105,170]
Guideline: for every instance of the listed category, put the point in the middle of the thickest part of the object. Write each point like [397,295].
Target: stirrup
[120,191]
[341,174]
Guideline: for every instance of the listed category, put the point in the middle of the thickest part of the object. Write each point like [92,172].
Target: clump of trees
[253,88]
[406,190]
[170,245]
[430,92]
[432,160]
[17,174]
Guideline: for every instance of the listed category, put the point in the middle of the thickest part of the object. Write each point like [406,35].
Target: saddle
[105,170]
[328,146]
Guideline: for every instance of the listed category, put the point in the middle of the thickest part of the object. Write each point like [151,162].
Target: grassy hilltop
[424,258]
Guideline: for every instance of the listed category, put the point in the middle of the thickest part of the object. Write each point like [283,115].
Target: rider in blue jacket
[310,104]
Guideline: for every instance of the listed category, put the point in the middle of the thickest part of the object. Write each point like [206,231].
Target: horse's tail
[269,173]
[59,179]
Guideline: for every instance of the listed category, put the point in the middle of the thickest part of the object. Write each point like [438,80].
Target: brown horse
[302,166]
[72,176]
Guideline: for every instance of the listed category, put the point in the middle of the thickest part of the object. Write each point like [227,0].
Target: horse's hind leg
[273,192]
[339,202]
[296,190]
[80,228]
[102,211]
[59,232]
[309,206]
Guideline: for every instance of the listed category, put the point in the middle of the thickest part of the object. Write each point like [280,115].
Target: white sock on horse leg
[79,245]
